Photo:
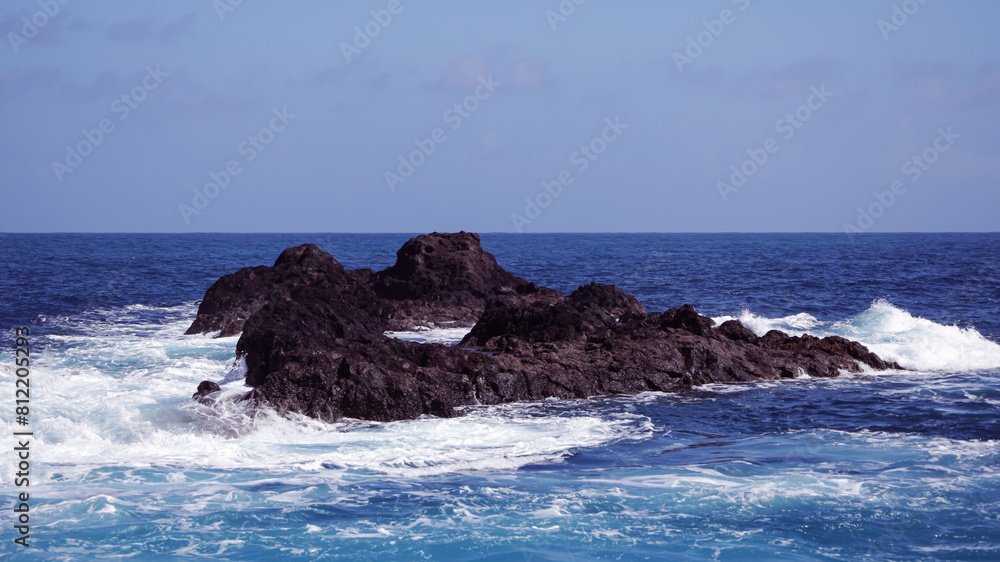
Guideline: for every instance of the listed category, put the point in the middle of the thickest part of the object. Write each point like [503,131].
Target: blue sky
[711,116]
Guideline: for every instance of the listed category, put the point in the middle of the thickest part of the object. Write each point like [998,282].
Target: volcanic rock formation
[312,337]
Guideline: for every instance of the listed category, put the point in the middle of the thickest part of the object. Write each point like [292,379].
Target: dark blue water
[901,465]
[948,278]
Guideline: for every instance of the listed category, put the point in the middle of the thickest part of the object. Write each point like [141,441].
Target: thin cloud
[791,79]
[136,31]
[762,82]
[22,83]
[948,85]
[464,73]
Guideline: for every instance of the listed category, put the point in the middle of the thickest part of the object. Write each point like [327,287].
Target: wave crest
[895,335]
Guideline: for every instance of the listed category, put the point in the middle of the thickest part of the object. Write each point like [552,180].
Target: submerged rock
[205,391]
[313,337]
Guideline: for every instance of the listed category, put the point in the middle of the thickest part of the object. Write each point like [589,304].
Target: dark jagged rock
[436,278]
[302,324]
[685,318]
[232,299]
[313,344]
[592,310]
[444,277]
[735,330]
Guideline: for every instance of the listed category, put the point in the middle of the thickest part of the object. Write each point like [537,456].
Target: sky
[500,116]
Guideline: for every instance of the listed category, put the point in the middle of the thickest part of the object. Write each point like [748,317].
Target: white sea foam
[898,468]
[444,336]
[120,396]
[895,335]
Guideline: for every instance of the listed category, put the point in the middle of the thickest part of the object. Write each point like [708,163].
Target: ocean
[901,465]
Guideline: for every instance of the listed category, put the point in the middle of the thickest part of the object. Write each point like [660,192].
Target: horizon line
[517,233]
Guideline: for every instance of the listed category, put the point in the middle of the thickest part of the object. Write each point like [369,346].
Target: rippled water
[898,465]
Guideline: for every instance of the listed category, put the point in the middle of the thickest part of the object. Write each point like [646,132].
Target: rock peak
[304,255]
